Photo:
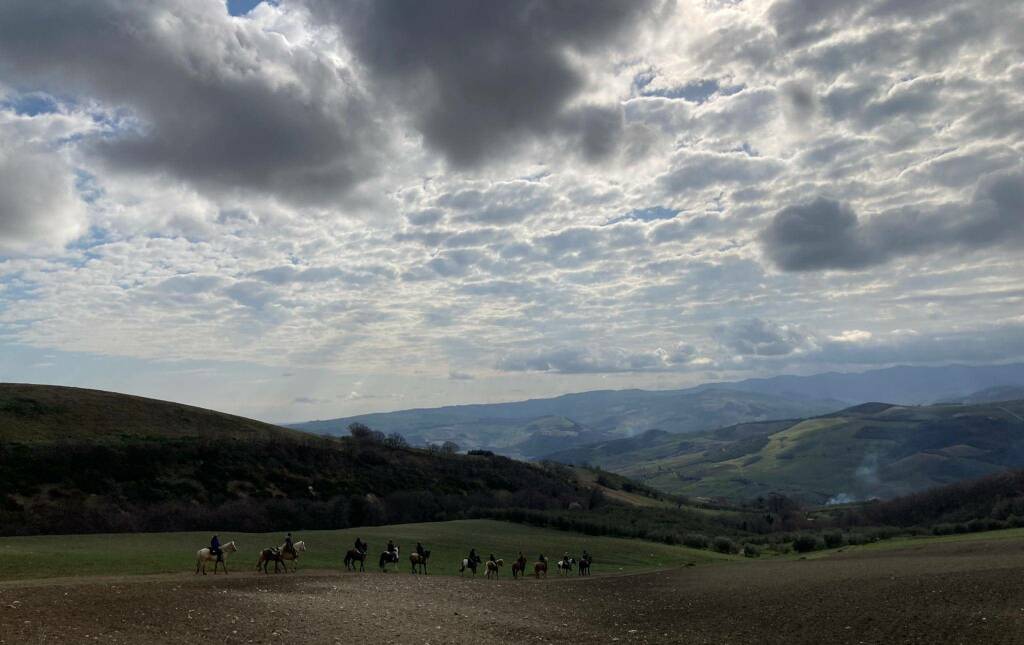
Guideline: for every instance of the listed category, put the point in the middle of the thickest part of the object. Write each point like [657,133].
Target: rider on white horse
[289,546]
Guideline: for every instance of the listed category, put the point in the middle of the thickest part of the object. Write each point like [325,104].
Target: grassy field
[142,553]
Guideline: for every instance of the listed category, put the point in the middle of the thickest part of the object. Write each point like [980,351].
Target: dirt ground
[971,592]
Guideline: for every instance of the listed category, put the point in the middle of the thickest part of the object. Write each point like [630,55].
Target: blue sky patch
[241,7]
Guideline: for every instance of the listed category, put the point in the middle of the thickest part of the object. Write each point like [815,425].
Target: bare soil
[970,592]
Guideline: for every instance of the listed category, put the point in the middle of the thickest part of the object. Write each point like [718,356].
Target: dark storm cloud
[209,100]
[479,77]
[825,234]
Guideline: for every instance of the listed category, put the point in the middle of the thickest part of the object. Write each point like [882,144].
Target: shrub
[856,538]
[805,543]
[723,544]
[696,541]
[833,540]
[751,550]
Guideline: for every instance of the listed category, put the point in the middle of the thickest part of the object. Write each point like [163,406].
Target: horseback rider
[542,559]
[289,546]
[565,558]
[361,546]
[391,551]
[473,559]
[215,549]
[585,556]
[420,551]
[492,558]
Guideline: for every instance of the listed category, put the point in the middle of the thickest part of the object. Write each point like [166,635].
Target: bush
[696,541]
[751,550]
[856,538]
[805,543]
[723,544]
[833,540]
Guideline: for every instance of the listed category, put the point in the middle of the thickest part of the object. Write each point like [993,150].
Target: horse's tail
[348,558]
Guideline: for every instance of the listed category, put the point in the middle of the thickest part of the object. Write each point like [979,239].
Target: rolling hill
[76,460]
[529,428]
[871,450]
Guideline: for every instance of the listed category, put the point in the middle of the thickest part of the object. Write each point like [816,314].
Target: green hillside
[871,450]
[74,460]
[48,413]
[81,461]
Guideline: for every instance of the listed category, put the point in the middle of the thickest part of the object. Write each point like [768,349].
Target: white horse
[493,566]
[300,548]
[205,555]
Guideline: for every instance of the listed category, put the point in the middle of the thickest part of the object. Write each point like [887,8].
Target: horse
[519,567]
[584,569]
[353,556]
[469,564]
[204,555]
[539,568]
[493,566]
[565,565]
[278,555]
[272,554]
[415,559]
[387,557]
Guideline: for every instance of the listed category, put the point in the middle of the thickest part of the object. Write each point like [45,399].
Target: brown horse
[584,569]
[519,567]
[539,568]
[271,555]
[417,560]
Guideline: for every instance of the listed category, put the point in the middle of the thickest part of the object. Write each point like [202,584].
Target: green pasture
[146,553]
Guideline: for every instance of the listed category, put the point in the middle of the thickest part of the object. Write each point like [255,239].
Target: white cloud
[265,189]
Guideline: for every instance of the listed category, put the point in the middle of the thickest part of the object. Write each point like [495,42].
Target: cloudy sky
[315,208]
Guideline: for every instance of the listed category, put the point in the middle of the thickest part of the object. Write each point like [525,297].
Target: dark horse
[584,569]
[271,555]
[519,567]
[419,560]
[354,556]
[388,557]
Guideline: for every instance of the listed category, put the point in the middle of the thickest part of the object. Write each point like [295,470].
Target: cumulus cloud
[825,234]
[40,208]
[479,78]
[199,95]
[756,337]
[413,190]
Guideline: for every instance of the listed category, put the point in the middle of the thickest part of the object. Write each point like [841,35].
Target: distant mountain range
[537,427]
[534,428]
[871,450]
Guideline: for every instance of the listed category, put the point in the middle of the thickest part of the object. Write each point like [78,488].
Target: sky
[313,208]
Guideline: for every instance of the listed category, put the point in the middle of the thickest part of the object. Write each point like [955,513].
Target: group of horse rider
[289,547]
[217,552]
[473,557]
